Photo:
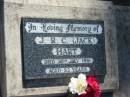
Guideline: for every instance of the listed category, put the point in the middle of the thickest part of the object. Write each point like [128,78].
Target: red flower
[93,89]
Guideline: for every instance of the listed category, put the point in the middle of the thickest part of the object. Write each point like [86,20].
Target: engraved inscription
[34,27]
[56,48]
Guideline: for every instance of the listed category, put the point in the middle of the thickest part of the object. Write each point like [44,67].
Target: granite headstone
[59,49]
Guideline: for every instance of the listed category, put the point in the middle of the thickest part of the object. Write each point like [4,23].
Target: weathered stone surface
[75,3]
[123,38]
[13,12]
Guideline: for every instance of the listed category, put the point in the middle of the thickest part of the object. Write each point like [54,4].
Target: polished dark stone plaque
[53,50]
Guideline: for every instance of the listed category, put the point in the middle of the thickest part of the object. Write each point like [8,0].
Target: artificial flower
[78,85]
[85,86]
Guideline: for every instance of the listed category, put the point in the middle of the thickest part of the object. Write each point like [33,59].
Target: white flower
[73,85]
[82,77]
[78,85]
